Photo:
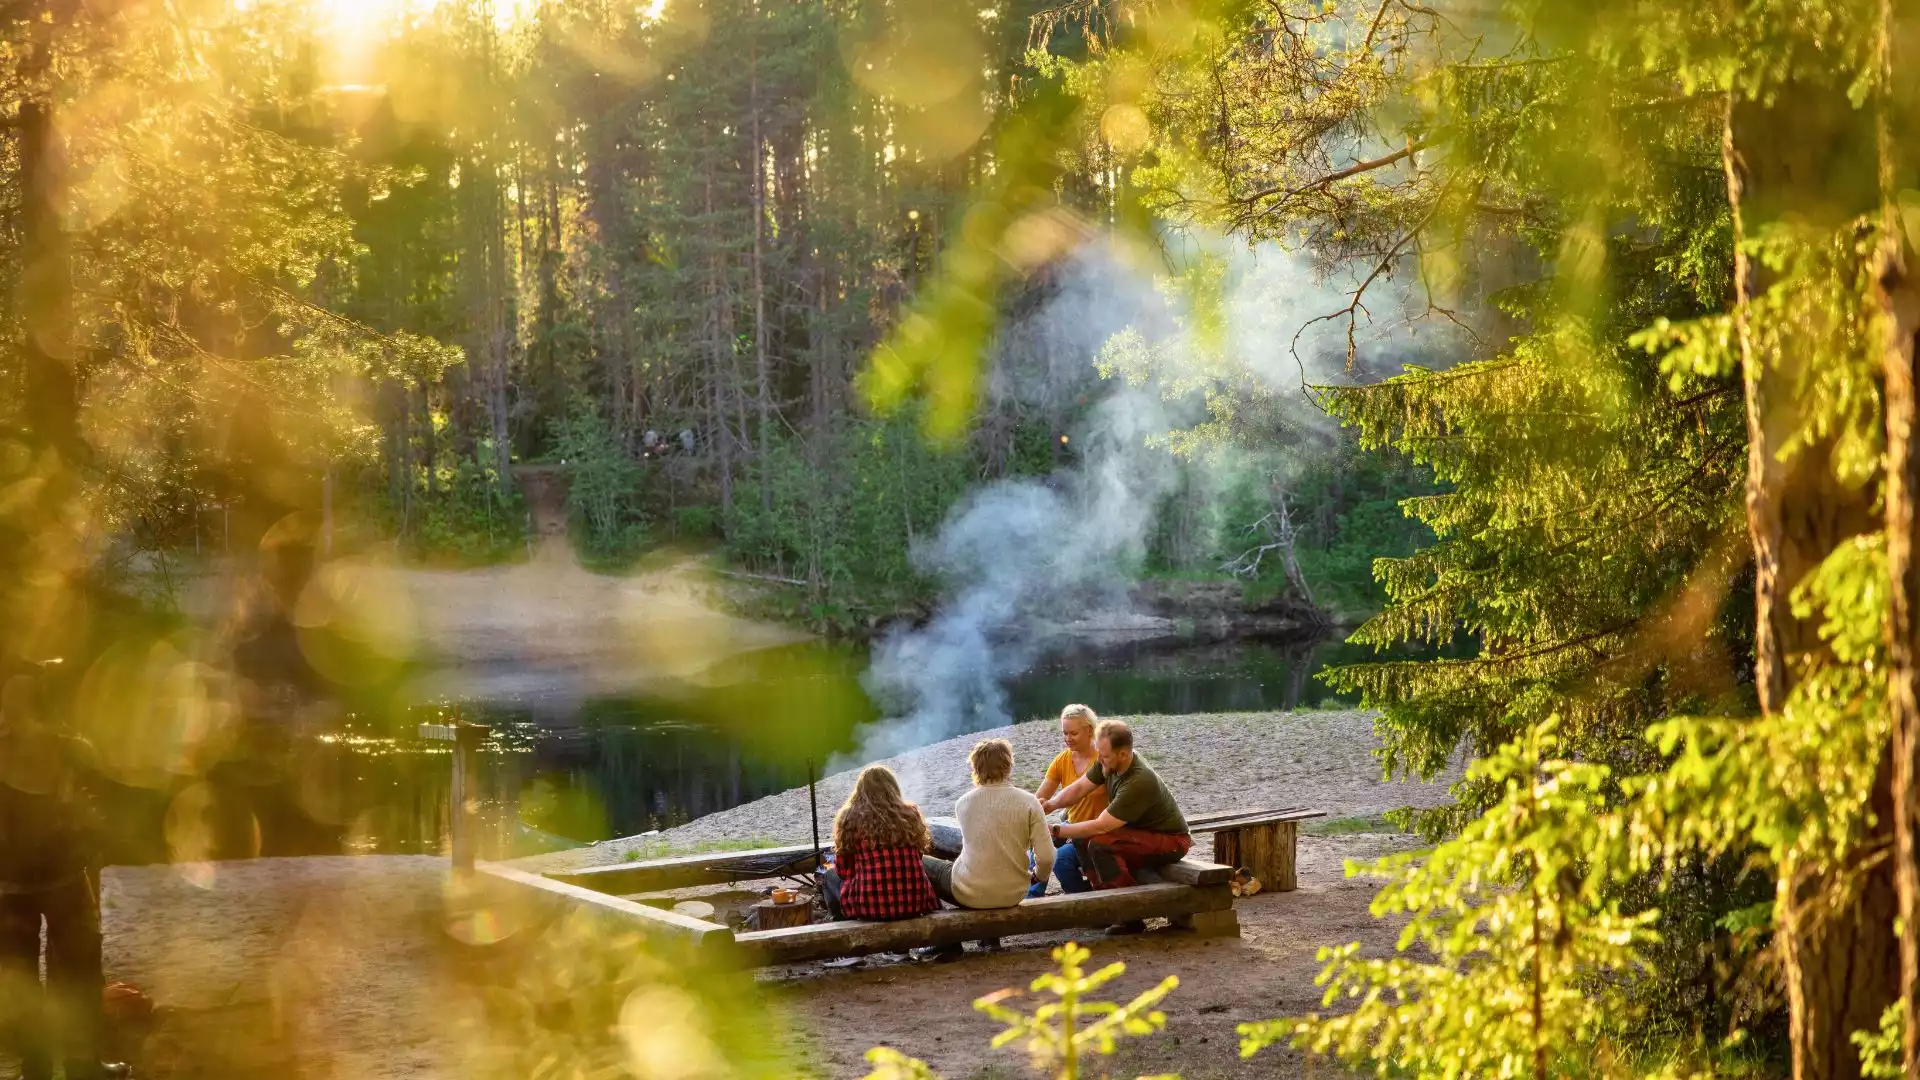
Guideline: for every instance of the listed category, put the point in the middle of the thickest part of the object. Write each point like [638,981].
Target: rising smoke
[1016,559]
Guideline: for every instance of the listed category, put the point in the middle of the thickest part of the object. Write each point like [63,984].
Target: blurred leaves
[938,349]
[1061,1034]
[583,1001]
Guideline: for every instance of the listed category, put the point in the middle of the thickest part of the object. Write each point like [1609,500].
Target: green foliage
[604,488]
[1571,168]
[1058,1035]
[844,516]
[1352,510]
[1531,950]
[1505,925]
[466,519]
[695,522]
[936,349]
[1881,1051]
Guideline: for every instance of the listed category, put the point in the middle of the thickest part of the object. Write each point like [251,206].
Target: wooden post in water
[467,739]
[463,810]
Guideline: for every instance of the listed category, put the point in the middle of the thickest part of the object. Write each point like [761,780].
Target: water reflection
[560,772]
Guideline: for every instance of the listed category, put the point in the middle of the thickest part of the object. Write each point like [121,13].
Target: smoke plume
[1019,558]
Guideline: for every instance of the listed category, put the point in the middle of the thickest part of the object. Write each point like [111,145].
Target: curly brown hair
[876,815]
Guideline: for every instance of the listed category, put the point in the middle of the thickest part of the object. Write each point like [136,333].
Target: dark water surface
[561,772]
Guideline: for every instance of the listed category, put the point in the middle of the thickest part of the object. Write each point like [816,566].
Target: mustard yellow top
[1062,773]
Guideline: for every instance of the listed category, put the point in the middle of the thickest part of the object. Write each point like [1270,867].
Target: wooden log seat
[680,872]
[767,915]
[1206,909]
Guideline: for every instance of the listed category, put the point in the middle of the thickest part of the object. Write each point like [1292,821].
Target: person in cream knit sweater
[1000,827]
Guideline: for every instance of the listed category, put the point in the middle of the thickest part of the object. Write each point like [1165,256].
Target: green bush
[459,514]
[700,522]
[604,489]
[848,526]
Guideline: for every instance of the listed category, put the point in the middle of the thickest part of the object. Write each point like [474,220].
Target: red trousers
[1111,859]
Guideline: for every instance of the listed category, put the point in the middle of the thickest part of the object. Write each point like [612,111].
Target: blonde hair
[876,815]
[1118,735]
[992,761]
[1079,712]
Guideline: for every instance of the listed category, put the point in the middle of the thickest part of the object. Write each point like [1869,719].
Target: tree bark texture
[1899,296]
[763,390]
[1798,159]
[49,386]
[1897,291]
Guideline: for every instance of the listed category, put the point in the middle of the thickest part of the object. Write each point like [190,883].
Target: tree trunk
[1788,162]
[720,361]
[763,392]
[429,438]
[1898,295]
[404,463]
[499,332]
[50,387]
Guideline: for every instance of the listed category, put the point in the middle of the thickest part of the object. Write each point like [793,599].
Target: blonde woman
[879,843]
[1076,735]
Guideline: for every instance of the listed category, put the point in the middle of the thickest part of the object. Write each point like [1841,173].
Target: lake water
[560,772]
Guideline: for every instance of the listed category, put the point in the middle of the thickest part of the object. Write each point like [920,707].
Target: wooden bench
[1264,842]
[1195,896]
[721,868]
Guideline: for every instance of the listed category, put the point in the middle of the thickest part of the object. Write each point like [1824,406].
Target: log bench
[680,872]
[1264,842]
[1195,896]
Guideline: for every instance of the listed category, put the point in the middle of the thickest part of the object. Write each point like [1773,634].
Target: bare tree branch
[1334,177]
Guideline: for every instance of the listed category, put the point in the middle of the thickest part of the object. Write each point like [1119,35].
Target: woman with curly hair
[878,843]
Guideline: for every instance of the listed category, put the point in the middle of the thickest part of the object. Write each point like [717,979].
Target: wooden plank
[1216,822]
[1203,821]
[555,898]
[1038,916]
[657,875]
[1192,871]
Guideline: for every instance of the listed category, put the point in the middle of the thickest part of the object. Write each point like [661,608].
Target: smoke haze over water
[1020,555]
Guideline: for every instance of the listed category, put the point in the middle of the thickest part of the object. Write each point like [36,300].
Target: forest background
[273,259]
[651,250]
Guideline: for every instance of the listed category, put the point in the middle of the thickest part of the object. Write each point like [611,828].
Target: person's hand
[1054,831]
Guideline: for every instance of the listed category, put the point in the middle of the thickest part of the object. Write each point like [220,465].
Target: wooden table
[1263,842]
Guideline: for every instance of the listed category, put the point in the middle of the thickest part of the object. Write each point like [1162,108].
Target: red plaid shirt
[884,883]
